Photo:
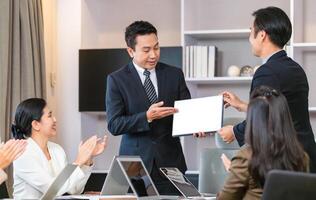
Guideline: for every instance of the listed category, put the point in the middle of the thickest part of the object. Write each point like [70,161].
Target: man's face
[255,41]
[147,51]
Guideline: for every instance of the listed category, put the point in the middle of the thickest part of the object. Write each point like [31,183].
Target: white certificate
[198,115]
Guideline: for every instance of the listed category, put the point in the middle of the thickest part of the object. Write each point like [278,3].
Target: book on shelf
[211,61]
[200,61]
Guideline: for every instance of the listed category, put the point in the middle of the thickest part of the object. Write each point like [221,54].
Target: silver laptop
[184,186]
[59,181]
[130,172]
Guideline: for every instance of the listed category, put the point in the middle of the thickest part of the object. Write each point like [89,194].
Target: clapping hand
[226,162]
[85,151]
[10,151]
[100,146]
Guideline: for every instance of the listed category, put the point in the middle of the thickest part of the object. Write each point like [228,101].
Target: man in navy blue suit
[270,31]
[139,101]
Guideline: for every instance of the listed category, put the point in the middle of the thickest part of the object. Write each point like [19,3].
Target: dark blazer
[127,103]
[282,73]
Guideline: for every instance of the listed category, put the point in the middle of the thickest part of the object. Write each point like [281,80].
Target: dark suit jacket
[127,103]
[282,73]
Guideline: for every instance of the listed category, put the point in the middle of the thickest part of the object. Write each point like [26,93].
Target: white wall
[68,43]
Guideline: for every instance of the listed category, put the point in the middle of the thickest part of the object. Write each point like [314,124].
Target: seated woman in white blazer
[43,160]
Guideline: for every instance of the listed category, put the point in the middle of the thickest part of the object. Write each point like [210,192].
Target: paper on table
[195,115]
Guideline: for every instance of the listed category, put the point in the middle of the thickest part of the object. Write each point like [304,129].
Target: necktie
[149,88]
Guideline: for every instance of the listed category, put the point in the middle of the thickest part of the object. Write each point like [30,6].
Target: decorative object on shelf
[246,71]
[233,71]
[255,68]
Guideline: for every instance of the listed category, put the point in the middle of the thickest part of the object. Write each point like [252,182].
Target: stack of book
[199,61]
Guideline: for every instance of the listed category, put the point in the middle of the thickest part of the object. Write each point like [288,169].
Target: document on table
[195,115]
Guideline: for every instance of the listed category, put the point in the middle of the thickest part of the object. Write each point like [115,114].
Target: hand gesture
[85,151]
[156,111]
[100,146]
[227,134]
[10,151]
[230,99]
[226,162]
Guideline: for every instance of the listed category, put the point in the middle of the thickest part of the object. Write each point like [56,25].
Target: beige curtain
[21,58]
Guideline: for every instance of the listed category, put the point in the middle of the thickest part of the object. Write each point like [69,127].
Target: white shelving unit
[312,109]
[228,33]
[219,80]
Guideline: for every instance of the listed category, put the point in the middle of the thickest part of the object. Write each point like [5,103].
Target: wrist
[241,107]
[89,162]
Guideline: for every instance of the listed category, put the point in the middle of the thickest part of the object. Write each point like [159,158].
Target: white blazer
[3,176]
[32,176]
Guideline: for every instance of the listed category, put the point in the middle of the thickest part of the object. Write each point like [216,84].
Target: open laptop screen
[180,182]
[139,178]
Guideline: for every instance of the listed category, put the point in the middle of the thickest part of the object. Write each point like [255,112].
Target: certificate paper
[198,115]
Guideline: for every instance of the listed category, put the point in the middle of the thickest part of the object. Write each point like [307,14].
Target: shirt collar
[264,60]
[141,70]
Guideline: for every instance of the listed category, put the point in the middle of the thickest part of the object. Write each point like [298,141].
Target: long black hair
[271,135]
[27,111]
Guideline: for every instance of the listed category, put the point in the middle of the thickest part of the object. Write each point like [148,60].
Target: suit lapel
[138,83]
[160,81]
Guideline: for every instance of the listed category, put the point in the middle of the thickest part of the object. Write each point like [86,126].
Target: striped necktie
[149,88]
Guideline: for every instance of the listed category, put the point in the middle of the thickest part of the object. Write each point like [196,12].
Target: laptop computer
[59,181]
[184,186]
[130,172]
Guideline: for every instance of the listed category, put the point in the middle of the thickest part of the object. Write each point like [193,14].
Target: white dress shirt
[153,76]
[33,173]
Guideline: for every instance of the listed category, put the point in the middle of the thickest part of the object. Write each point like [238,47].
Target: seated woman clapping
[43,160]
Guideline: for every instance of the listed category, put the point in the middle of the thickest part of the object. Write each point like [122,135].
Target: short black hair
[27,111]
[138,28]
[275,23]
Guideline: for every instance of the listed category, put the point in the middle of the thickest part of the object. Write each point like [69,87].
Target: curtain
[21,59]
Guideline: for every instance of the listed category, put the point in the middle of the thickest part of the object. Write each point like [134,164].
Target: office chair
[212,173]
[289,185]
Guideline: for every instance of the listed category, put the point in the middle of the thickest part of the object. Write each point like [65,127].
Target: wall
[69,41]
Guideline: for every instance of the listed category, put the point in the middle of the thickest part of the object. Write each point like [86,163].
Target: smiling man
[139,101]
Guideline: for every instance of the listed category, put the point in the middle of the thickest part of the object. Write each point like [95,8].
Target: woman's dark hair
[275,23]
[27,111]
[138,28]
[271,135]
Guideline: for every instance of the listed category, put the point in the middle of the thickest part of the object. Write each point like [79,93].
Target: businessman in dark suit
[139,102]
[270,31]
